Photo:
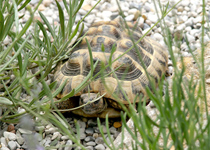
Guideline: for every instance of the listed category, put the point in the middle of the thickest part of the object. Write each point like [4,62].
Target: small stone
[90,143]
[3,141]
[50,131]
[89,148]
[129,18]
[82,12]
[87,7]
[100,147]
[153,18]
[7,40]
[81,124]
[112,130]
[47,3]
[91,123]
[24,131]
[95,135]
[9,135]
[39,128]
[180,9]
[137,15]
[104,129]
[10,128]
[65,137]
[41,7]
[33,2]
[68,145]
[185,3]
[117,124]
[82,136]
[89,131]
[158,36]
[190,38]
[106,14]
[135,5]
[89,138]
[99,140]
[12,145]
[20,140]
[56,135]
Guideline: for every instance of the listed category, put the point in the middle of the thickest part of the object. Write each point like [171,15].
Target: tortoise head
[93,107]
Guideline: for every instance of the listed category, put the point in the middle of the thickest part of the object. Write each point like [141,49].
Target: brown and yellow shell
[130,73]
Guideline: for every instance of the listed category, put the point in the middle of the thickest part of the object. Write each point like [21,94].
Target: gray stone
[89,131]
[65,137]
[104,129]
[99,140]
[81,124]
[33,2]
[24,131]
[20,140]
[89,148]
[89,19]
[68,145]
[90,143]
[12,145]
[82,136]
[112,130]
[92,123]
[145,26]
[100,147]
[135,5]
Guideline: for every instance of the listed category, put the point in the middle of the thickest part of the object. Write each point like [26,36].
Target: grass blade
[61,17]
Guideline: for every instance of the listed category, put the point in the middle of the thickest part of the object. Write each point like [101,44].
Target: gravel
[185,19]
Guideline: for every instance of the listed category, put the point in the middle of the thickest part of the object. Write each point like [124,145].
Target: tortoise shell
[128,69]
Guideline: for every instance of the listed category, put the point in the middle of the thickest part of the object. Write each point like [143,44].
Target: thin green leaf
[16,54]
[7,25]
[1,25]
[78,7]
[24,5]
[47,24]
[61,17]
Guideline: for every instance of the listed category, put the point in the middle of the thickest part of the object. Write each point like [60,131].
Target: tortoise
[129,72]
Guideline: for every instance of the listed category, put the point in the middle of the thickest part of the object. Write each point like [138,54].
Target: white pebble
[190,38]
[180,27]
[129,18]
[12,145]
[158,36]
[100,147]
[56,135]
[3,140]
[24,131]
[20,140]
[68,145]
[9,135]
[152,17]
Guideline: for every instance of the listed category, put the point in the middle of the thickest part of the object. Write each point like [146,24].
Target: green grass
[180,118]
